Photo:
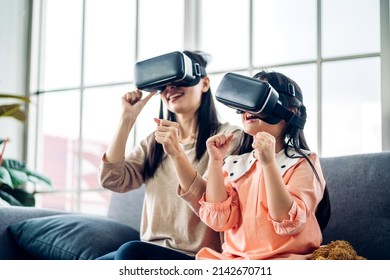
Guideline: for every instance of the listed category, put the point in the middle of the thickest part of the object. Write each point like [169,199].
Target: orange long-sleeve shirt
[249,231]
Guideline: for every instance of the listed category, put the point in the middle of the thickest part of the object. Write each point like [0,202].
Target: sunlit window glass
[225,33]
[109,41]
[284,31]
[102,109]
[59,146]
[161,27]
[63,201]
[356,33]
[61,44]
[351,107]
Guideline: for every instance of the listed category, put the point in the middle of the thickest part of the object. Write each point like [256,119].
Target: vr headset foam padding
[173,68]
[258,98]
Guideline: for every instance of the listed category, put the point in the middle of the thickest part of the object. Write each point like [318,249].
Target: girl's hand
[218,145]
[167,134]
[132,102]
[264,147]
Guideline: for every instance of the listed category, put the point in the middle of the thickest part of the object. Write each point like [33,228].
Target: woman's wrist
[178,155]
[128,117]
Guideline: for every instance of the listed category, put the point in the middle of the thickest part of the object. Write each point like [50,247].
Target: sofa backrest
[127,207]
[359,190]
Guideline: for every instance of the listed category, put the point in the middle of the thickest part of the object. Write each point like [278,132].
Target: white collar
[238,165]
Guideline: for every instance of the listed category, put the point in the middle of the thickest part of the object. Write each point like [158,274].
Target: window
[337,68]
[110,32]
[284,31]
[81,68]
[84,52]
[351,106]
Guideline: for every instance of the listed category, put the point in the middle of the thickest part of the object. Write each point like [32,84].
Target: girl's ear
[294,110]
[205,84]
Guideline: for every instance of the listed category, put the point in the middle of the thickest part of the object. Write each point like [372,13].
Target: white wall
[14,16]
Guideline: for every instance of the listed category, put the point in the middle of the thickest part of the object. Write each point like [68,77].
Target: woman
[171,163]
[265,199]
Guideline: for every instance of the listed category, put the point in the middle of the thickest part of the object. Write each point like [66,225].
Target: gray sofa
[359,189]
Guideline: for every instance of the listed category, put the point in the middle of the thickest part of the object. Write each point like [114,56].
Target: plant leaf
[14,164]
[20,97]
[12,110]
[39,179]
[5,177]
[9,198]
[24,197]
[19,177]
[20,174]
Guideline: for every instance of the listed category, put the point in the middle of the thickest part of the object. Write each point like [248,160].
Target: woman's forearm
[116,150]
[184,170]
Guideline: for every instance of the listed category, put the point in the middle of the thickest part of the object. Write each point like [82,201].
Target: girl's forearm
[278,197]
[215,189]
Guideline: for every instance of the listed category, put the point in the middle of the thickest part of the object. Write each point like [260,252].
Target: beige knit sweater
[167,219]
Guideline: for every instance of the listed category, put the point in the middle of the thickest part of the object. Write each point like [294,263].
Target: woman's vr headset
[258,98]
[173,68]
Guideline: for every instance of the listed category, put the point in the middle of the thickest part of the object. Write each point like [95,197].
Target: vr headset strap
[202,71]
[199,72]
[193,82]
[290,118]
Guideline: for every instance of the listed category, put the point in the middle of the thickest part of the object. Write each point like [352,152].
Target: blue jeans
[139,250]
[109,256]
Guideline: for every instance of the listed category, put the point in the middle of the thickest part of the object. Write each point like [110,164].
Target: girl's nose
[170,87]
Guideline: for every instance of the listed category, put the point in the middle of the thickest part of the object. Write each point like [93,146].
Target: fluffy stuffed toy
[336,250]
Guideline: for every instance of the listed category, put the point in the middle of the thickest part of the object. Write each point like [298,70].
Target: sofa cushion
[71,236]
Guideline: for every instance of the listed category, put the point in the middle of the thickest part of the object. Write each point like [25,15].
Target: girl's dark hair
[207,123]
[294,137]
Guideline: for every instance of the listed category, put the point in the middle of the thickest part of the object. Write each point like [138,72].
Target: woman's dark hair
[207,123]
[294,136]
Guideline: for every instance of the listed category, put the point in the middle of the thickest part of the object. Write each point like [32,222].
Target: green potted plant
[14,174]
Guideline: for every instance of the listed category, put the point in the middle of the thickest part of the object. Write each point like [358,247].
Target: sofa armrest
[9,215]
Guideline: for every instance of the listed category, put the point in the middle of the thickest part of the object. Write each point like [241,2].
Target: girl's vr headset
[173,68]
[258,98]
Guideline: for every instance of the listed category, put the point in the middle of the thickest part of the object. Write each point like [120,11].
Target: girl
[264,199]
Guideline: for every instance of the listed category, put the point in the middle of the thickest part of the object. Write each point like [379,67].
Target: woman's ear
[205,84]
